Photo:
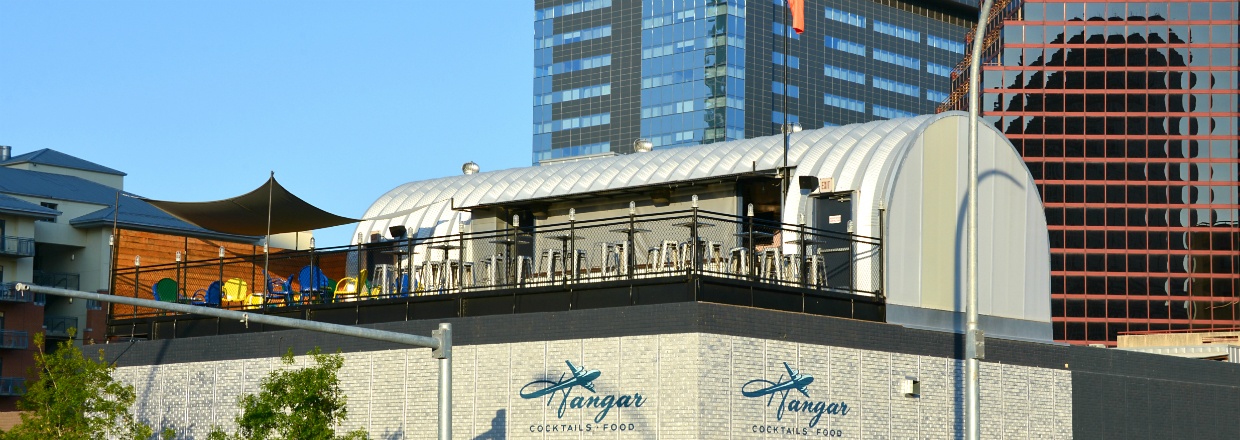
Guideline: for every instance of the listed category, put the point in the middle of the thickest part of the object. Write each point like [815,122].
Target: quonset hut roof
[913,169]
[840,152]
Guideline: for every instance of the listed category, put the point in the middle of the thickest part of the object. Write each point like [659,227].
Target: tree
[76,398]
[304,403]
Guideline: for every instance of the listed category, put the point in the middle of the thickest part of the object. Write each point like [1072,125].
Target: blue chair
[403,285]
[313,283]
[210,296]
[278,290]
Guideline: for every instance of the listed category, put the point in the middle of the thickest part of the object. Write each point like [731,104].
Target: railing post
[137,267]
[753,246]
[693,240]
[801,248]
[630,253]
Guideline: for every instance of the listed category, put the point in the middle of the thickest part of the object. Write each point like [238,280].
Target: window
[570,9]
[938,69]
[945,44]
[889,113]
[936,96]
[793,61]
[778,117]
[572,94]
[778,88]
[845,45]
[49,205]
[896,86]
[845,17]
[571,123]
[573,65]
[844,74]
[897,59]
[779,29]
[897,31]
[572,37]
[844,103]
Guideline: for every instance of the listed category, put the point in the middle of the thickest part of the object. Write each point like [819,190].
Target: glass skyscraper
[1126,114]
[687,72]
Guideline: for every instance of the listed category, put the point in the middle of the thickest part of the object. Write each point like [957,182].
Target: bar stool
[492,268]
[549,261]
[615,259]
[738,261]
[579,262]
[769,263]
[791,267]
[459,275]
[817,275]
[525,268]
[663,257]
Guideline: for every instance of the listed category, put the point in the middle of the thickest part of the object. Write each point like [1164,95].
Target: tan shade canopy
[247,214]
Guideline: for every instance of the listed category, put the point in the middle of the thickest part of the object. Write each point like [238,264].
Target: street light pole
[974,339]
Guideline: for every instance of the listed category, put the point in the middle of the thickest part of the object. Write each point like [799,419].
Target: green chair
[166,290]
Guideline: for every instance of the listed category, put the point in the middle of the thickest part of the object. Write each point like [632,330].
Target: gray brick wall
[690,382]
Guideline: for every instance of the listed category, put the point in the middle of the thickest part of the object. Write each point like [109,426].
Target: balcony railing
[14,339]
[58,326]
[622,250]
[16,246]
[9,293]
[57,279]
[12,386]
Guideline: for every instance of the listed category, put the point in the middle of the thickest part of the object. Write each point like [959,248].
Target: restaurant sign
[563,389]
[814,409]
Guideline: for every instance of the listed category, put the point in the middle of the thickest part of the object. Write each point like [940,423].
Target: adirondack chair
[166,290]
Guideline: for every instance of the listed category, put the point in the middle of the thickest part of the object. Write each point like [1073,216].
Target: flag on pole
[798,15]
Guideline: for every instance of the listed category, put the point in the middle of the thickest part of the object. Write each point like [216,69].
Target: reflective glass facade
[687,72]
[1126,114]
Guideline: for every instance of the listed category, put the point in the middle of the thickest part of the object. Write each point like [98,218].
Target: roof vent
[6,152]
[469,167]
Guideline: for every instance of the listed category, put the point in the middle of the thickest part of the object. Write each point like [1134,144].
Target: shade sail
[247,214]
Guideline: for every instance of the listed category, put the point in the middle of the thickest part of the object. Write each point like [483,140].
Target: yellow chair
[347,288]
[237,292]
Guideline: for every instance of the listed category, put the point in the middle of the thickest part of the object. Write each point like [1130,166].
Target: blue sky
[200,100]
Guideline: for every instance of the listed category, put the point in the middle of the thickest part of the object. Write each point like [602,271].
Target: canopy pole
[267,245]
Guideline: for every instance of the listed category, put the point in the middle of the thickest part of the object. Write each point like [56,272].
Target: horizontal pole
[346,330]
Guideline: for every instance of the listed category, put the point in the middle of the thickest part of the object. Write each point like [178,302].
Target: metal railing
[58,326]
[12,386]
[17,246]
[63,280]
[14,339]
[10,294]
[610,250]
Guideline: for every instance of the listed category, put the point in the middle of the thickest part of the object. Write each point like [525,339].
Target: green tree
[76,398]
[301,404]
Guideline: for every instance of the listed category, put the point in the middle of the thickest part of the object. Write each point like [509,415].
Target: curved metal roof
[846,153]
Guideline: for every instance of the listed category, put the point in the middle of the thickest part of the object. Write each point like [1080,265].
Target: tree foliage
[75,398]
[304,403]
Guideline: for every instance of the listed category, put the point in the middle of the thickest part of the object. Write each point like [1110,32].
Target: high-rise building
[1126,114]
[687,72]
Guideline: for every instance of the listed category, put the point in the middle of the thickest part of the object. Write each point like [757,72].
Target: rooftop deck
[680,256]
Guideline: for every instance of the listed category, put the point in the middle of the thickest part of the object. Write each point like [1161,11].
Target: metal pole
[783,128]
[440,341]
[974,339]
[444,333]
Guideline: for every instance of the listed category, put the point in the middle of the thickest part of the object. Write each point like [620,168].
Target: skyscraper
[687,72]
[1126,114]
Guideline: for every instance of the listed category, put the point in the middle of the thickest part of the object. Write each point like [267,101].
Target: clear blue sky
[200,100]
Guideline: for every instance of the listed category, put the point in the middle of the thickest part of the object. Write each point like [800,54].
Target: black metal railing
[61,280]
[619,249]
[58,326]
[9,293]
[12,386]
[16,246]
[14,339]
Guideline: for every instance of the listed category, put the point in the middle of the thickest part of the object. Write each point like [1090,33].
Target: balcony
[611,262]
[9,293]
[60,280]
[12,386]
[14,339]
[57,327]
[16,246]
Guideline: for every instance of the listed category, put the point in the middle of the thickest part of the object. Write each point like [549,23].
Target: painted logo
[796,381]
[584,378]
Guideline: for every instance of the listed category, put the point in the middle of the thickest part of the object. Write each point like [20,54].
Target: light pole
[788,128]
[974,339]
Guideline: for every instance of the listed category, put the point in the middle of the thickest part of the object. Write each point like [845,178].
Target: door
[833,212]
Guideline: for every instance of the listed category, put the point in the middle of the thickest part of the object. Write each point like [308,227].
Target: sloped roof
[134,213]
[52,157]
[15,206]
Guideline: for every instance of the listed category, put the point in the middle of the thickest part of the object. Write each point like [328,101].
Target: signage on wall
[815,409]
[563,389]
